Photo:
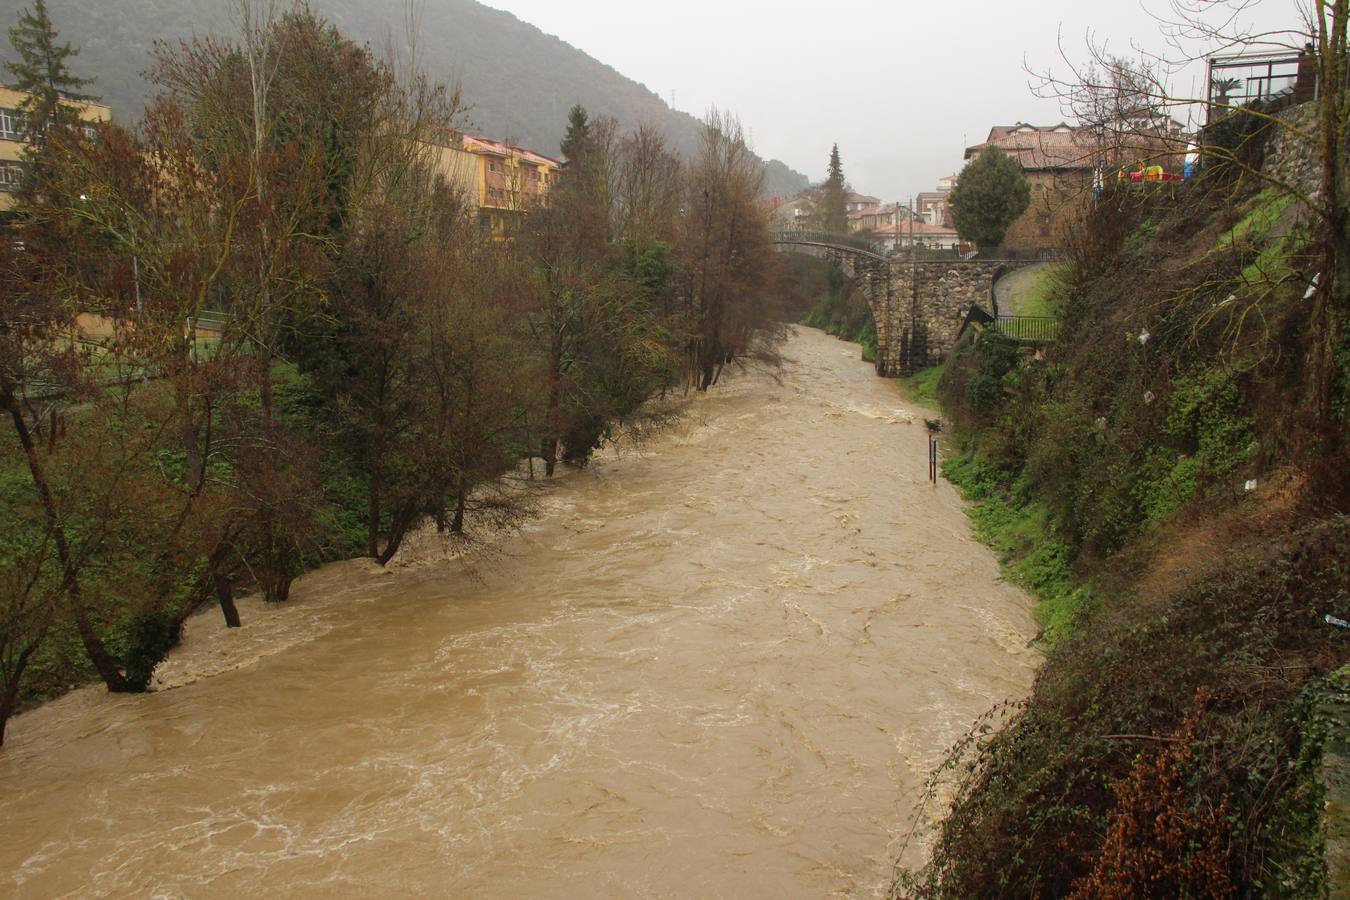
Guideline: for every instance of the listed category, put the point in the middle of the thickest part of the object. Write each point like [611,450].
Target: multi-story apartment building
[14,138]
[502,180]
[854,201]
[878,216]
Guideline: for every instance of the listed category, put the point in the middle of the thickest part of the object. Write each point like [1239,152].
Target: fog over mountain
[519,82]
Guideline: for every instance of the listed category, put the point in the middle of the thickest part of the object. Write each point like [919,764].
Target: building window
[11,174]
[11,125]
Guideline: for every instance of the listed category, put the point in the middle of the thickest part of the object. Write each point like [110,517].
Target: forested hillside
[519,81]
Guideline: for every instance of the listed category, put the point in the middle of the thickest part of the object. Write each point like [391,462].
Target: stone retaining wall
[1293,159]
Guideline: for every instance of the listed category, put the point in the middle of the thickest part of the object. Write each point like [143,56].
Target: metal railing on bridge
[1032,329]
[842,242]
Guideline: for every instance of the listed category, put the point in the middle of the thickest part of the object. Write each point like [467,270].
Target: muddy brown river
[720,666]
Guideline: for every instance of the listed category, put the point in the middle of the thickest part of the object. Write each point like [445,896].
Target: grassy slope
[1030,291]
[1037,298]
[923,385]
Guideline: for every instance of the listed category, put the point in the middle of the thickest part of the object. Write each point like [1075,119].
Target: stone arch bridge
[918,305]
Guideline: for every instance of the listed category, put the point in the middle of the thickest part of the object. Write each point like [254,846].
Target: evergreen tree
[992,192]
[833,208]
[41,72]
[578,134]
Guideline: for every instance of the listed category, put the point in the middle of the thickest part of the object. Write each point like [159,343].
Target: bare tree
[727,257]
[1195,29]
[647,187]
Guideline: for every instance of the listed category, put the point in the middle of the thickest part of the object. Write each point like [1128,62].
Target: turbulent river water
[720,666]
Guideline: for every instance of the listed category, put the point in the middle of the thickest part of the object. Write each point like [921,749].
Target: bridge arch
[918,305]
[869,270]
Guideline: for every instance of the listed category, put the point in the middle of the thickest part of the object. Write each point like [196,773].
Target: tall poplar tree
[41,72]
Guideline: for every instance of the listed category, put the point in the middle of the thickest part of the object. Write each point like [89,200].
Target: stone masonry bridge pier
[918,305]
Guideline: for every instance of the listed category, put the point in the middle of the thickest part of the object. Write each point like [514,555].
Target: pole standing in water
[934,426]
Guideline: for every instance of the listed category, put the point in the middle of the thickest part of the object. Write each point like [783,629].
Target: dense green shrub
[1020,530]
[923,385]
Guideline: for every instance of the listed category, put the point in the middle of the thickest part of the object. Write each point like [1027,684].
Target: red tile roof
[497,148]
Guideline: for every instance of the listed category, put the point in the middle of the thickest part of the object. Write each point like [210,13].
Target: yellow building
[502,180]
[13,142]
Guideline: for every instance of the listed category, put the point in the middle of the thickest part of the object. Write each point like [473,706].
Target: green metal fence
[1035,329]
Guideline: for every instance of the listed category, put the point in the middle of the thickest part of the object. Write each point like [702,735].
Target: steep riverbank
[1169,476]
[719,667]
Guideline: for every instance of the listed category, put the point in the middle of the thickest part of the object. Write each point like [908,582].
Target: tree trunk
[9,700]
[373,517]
[225,597]
[550,454]
[461,498]
[398,528]
[1332,299]
[103,661]
[552,419]
[278,588]
[193,469]
[265,387]
[224,589]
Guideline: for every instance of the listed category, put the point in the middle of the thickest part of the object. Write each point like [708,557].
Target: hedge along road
[720,667]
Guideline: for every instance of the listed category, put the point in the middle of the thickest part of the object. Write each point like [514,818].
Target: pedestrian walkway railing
[1034,329]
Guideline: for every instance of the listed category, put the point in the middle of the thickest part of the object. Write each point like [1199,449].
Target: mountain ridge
[519,81]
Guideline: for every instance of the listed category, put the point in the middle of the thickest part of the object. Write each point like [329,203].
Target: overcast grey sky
[902,86]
